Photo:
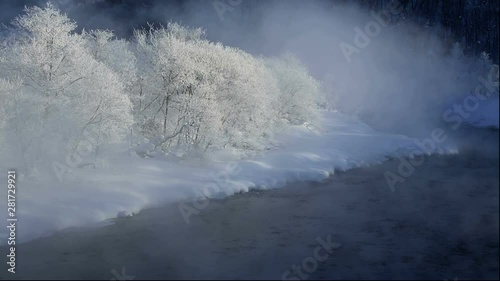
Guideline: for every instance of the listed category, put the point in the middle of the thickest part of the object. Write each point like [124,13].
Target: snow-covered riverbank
[132,183]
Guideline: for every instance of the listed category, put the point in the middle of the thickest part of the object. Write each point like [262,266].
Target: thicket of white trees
[300,94]
[58,91]
[196,94]
[169,85]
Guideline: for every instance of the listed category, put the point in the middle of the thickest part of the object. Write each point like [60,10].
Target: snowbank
[132,183]
[487,114]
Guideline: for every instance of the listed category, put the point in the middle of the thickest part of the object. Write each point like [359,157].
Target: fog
[395,75]
[392,74]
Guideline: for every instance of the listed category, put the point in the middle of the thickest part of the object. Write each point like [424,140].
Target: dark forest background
[472,23]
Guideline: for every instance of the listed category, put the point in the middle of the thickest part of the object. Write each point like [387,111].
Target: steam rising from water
[397,77]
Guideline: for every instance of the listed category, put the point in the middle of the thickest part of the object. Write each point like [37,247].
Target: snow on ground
[132,183]
[487,114]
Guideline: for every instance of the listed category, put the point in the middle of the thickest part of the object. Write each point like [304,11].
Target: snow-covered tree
[247,96]
[198,94]
[167,82]
[300,95]
[114,53]
[6,103]
[64,91]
